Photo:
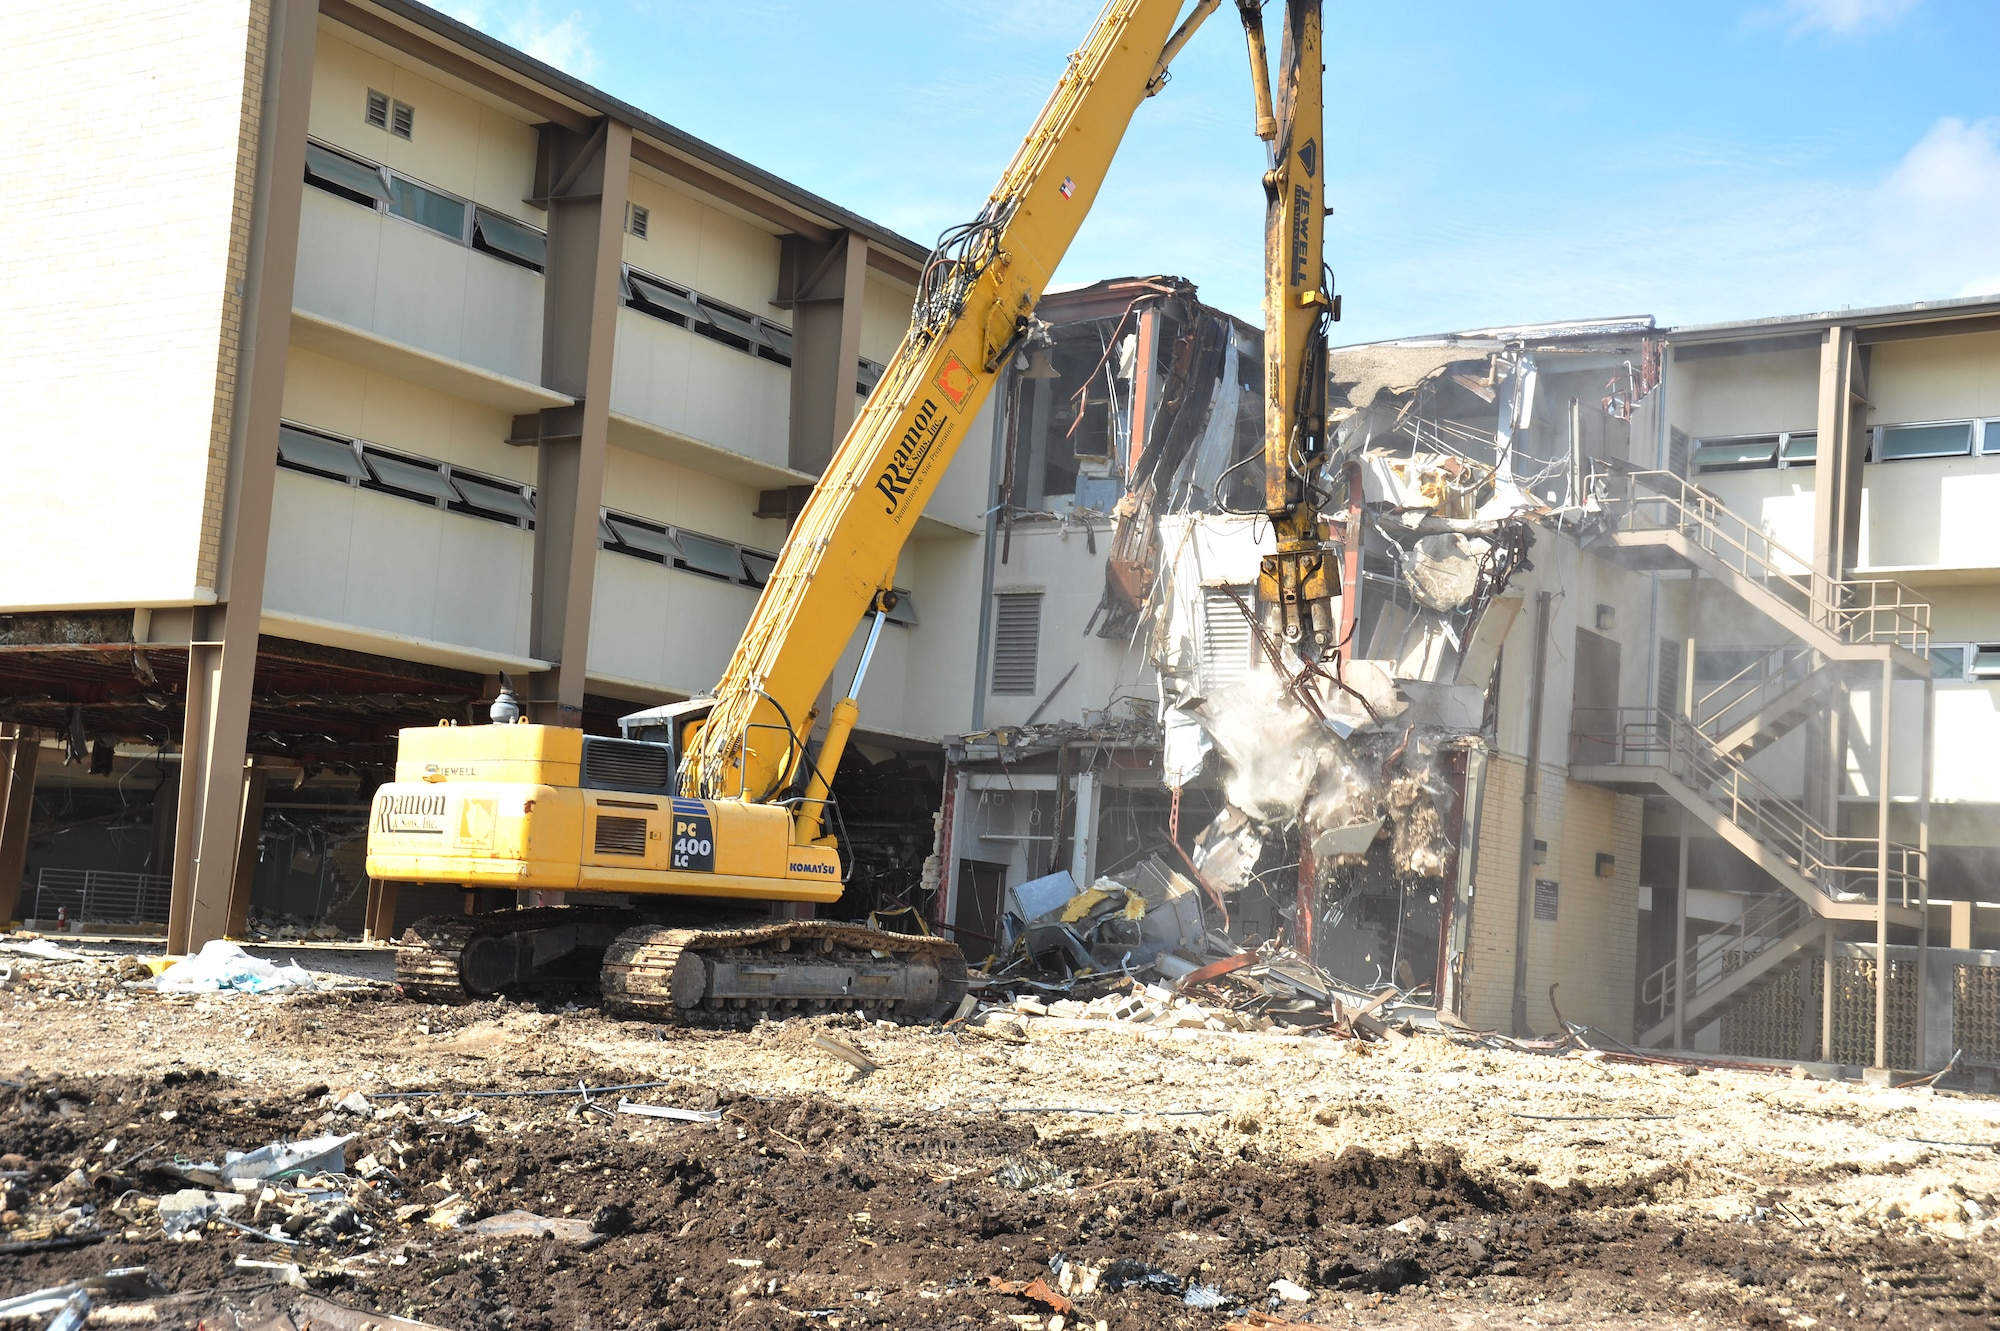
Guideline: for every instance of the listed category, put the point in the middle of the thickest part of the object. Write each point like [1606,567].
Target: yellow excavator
[705,808]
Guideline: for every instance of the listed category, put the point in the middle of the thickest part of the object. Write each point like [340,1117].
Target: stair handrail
[1765,922]
[1853,610]
[1711,716]
[1841,867]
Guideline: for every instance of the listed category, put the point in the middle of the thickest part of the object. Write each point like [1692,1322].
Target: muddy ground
[1431,1184]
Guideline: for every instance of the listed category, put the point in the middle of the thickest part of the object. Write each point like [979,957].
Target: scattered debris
[841,1049]
[222,966]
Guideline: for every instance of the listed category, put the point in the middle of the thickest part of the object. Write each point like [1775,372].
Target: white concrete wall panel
[114,372]
[1934,378]
[1755,394]
[381,562]
[312,540]
[742,402]
[885,317]
[1931,512]
[340,251]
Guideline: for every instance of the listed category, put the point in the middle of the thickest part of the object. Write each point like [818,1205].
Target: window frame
[1975,650]
[464,236]
[477,242]
[1878,435]
[1965,652]
[352,478]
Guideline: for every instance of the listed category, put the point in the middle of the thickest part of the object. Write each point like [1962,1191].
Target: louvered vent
[1226,642]
[623,764]
[1017,641]
[378,109]
[620,836]
[1678,448]
[402,119]
[639,219]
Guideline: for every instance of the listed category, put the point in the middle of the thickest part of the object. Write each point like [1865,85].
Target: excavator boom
[973,306]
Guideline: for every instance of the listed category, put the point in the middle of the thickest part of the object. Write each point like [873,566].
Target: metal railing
[1746,692]
[1846,869]
[1860,611]
[103,897]
[1714,957]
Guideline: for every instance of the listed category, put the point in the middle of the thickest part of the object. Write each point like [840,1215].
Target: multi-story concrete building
[1750,665]
[363,359]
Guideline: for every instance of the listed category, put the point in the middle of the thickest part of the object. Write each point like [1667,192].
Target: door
[1596,717]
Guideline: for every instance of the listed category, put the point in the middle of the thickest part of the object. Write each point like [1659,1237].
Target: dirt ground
[1137,1177]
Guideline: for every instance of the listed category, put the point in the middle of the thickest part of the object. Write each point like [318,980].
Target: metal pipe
[1530,783]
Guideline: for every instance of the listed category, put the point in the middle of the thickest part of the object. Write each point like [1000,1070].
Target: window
[870,374]
[378,109]
[738,326]
[1017,645]
[1989,437]
[701,314]
[402,119]
[663,301]
[645,540]
[318,455]
[1736,454]
[497,500]
[427,207]
[700,554]
[419,479]
[1985,661]
[758,566]
[1752,452]
[422,481]
[636,219]
[1946,439]
[1948,660]
[504,238]
[349,177]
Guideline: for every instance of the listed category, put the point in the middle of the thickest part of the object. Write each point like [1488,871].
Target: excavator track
[724,976]
[457,958]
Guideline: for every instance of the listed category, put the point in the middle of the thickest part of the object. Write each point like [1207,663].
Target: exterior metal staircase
[1660,520]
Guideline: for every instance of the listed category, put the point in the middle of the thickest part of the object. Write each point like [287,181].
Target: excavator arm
[1299,578]
[972,310]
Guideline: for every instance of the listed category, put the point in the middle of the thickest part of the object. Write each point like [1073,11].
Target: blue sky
[1693,160]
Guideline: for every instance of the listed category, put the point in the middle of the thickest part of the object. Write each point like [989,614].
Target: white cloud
[1934,214]
[563,42]
[1841,18]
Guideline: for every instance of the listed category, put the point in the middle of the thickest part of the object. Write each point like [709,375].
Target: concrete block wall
[129,184]
[1590,948]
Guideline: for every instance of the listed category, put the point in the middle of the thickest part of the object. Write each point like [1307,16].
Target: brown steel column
[17,803]
[824,286]
[582,178]
[255,779]
[1145,357]
[222,662]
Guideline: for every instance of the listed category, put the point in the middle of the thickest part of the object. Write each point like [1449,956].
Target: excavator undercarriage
[729,972]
